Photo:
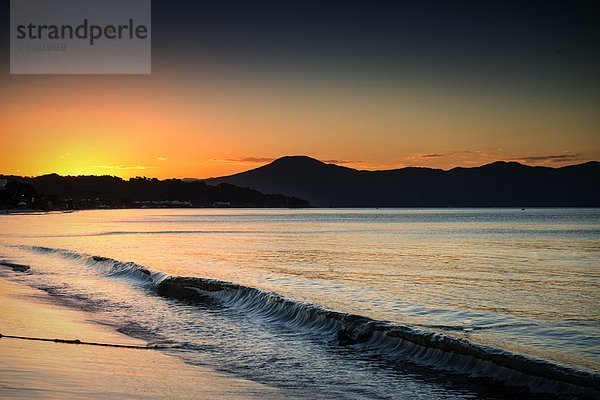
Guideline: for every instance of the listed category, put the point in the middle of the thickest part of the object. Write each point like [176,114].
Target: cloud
[124,166]
[551,158]
[216,160]
[161,158]
[463,158]
[432,155]
[343,161]
[468,158]
[438,155]
[253,159]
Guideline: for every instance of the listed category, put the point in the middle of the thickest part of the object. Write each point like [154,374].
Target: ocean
[340,303]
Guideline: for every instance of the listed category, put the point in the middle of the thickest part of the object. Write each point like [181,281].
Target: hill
[80,192]
[499,184]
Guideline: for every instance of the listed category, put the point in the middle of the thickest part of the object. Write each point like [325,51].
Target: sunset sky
[371,86]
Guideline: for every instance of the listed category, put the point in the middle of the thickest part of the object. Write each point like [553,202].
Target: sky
[365,84]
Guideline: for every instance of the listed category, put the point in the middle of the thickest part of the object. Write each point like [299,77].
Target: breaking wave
[392,341]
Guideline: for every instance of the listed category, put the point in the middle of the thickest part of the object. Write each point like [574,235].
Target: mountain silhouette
[499,184]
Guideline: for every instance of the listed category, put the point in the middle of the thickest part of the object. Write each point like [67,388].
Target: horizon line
[325,162]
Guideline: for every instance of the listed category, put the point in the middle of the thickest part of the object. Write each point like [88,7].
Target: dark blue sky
[502,39]
[557,39]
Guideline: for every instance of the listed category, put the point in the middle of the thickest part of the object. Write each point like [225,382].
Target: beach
[48,370]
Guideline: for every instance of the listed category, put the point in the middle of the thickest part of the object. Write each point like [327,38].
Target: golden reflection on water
[408,266]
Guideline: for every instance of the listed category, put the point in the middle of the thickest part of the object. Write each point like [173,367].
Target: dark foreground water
[422,303]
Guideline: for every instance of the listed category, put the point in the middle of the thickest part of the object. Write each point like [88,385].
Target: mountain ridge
[497,184]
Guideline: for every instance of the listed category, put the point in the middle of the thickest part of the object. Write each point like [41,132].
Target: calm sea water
[510,281]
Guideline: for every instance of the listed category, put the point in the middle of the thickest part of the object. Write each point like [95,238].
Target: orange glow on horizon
[173,129]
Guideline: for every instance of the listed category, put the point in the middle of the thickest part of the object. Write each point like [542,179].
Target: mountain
[499,184]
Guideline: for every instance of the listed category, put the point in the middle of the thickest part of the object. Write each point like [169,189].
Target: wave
[392,341]
[558,232]
[108,266]
[161,232]
[165,232]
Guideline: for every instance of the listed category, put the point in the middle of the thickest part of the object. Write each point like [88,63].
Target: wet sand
[48,370]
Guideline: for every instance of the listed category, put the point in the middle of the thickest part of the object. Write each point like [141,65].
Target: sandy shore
[48,370]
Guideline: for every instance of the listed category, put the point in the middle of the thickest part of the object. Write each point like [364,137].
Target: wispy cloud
[344,162]
[161,158]
[420,156]
[550,158]
[431,155]
[124,166]
[468,158]
[438,155]
[243,160]
[252,159]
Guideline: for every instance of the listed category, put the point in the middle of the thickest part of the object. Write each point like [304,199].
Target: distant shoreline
[34,212]
[45,212]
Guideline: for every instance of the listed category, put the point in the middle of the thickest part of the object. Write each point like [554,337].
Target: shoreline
[40,369]
[34,212]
